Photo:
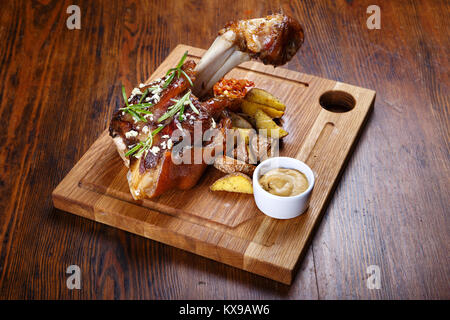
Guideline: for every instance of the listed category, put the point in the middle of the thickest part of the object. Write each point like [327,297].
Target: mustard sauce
[284,182]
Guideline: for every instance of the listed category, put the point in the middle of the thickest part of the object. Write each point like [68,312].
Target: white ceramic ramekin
[277,206]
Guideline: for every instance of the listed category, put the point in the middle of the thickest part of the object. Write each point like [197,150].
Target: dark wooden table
[59,87]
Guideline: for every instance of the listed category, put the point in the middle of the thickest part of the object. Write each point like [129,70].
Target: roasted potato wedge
[260,148]
[246,134]
[233,182]
[252,157]
[230,165]
[263,97]
[241,153]
[243,145]
[264,121]
[239,121]
[250,108]
[248,118]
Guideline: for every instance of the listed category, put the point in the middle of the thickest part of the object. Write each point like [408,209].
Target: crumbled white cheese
[148,99]
[213,123]
[163,145]
[145,129]
[131,133]
[169,144]
[154,150]
[157,90]
[136,91]
[141,85]
[156,98]
[165,136]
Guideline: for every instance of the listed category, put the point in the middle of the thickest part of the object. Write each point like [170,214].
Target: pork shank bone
[273,40]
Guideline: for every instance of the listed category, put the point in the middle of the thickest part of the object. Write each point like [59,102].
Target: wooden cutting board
[228,227]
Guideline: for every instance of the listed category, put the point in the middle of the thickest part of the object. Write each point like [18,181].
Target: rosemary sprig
[136,110]
[193,107]
[177,71]
[145,145]
[180,117]
[143,96]
[141,107]
[178,106]
[124,94]
[182,108]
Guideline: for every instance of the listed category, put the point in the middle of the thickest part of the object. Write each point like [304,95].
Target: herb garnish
[144,145]
[177,71]
[143,96]
[177,107]
[136,110]
[193,107]
[151,89]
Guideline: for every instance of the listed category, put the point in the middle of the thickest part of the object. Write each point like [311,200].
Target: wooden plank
[222,226]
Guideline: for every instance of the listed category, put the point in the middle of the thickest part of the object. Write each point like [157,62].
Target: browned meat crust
[274,39]
[154,172]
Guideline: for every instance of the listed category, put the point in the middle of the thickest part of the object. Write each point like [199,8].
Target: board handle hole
[337,101]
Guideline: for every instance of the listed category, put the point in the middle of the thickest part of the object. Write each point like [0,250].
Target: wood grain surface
[58,88]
